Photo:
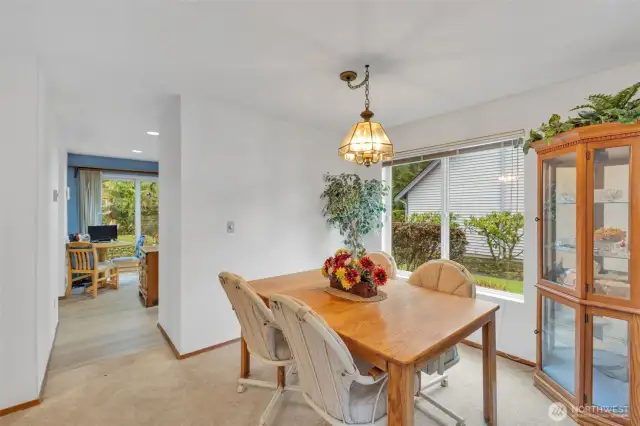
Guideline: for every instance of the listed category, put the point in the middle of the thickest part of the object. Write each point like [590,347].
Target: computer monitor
[103,232]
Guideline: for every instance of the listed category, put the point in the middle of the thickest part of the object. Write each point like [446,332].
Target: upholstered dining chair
[387,262]
[332,384]
[264,339]
[83,262]
[449,277]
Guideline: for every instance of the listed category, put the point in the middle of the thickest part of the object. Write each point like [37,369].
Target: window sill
[481,291]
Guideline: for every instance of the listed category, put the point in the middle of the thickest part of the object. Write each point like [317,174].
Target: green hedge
[415,243]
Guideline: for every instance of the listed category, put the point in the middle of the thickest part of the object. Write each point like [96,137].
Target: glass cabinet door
[610,222]
[559,220]
[558,343]
[610,365]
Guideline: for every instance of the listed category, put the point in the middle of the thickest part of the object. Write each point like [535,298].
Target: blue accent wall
[78,160]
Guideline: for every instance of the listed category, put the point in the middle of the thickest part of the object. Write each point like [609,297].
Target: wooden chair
[82,263]
[450,277]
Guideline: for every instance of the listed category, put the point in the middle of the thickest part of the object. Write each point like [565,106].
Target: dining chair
[449,277]
[263,337]
[83,263]
[130,263]
[387,262]
[331,380]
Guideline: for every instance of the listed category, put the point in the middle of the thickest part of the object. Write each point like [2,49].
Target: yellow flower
[340,273]
[342,250]
[324,272]
[345,283]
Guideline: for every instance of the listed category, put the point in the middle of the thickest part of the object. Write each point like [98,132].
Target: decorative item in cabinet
[148,287]
[588,326]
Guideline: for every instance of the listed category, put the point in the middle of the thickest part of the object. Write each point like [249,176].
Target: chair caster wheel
[444,384]
[241,388]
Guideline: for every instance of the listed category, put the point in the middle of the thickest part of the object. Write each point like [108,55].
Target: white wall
[170,220]
[516,321]
[264,174]
[29,257]
[19,172]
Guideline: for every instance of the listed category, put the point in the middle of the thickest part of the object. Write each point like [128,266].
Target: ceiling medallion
[366,143]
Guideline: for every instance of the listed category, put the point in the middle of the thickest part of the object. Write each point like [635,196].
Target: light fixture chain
[366,89]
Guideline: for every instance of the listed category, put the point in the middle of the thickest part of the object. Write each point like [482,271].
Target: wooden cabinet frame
[584,142]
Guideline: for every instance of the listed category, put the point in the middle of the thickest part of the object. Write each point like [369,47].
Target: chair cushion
[105,265]
[125,259]
[280,346]
[451,358]
[362,398]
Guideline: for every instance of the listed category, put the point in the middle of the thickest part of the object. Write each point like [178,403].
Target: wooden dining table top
[112,244]
[412,325]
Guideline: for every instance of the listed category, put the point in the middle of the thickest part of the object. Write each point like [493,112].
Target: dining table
[400,335]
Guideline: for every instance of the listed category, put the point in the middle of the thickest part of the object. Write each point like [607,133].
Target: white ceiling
[108,62]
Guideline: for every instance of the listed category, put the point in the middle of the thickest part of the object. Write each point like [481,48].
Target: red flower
[379,276]
[367,263]
[340,259]
[353,276]
[328,262]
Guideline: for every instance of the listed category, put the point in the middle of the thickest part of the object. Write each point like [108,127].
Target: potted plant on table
[355,275]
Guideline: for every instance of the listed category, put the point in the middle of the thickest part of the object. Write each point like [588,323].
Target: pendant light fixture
[366,143]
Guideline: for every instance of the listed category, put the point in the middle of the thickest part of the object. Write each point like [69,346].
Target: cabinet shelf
[607,255]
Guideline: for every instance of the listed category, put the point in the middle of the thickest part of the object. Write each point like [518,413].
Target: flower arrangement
[357,275]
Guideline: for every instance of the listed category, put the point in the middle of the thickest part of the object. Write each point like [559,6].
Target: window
[131,202]
[480,189]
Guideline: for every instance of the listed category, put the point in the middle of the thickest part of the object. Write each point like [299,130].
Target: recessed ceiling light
[136,151]
[153,133]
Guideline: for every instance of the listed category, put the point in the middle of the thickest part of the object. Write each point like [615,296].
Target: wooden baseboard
[169,342]
[502,354]
[194,353]
[19,407]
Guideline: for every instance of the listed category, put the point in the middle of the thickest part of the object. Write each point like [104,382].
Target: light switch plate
[231,227]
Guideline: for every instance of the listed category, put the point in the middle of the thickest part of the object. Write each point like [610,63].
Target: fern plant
[621,107]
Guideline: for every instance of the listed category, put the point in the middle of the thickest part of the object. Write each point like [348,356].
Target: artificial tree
[354,206]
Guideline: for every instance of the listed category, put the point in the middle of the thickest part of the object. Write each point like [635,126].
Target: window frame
[448,151]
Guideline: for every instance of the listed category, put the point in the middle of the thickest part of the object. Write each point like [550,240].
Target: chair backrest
[446,276]
[82,256]
[325,366]
[256,319]
[387,262]
[139,244]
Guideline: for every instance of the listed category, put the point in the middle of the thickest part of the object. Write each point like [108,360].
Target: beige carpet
[153,388]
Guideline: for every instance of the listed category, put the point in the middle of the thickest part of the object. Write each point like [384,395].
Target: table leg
[245,359]
[282,381]
[102,254]
[489,371]
[401,393]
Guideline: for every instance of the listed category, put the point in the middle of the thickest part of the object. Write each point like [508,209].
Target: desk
[398,335]
[102,248]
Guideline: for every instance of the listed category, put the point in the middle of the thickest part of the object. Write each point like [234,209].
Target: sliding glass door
[131,203]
